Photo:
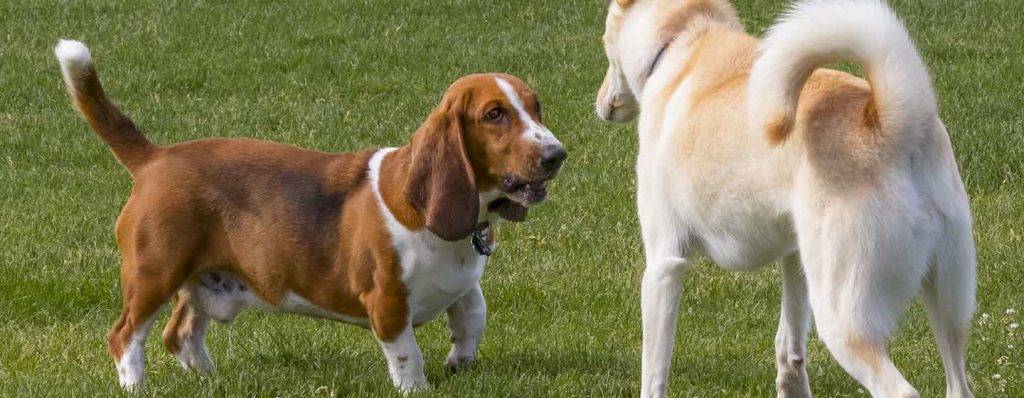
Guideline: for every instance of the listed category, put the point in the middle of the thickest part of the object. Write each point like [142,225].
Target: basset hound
[382,238]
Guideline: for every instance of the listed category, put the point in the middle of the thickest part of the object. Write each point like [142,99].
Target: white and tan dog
[749,153]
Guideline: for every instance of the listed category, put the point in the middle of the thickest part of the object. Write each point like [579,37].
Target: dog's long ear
[441,184]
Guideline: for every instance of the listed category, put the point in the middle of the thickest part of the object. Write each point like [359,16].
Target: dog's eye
[495,115]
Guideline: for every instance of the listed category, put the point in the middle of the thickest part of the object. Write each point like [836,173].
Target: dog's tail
[129,145]
[818,32]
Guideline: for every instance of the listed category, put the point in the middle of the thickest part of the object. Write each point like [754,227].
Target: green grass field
[563,288]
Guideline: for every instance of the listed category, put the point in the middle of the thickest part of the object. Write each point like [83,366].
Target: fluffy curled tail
[818,32]
[129,145]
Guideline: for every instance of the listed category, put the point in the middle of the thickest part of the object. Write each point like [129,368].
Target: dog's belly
[222,296]
[740,225]
[433,284]
[738,234]
[743,249]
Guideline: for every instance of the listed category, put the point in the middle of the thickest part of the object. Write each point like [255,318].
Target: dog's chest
[435,272]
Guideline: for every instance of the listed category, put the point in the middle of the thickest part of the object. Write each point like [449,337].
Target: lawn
[563,289]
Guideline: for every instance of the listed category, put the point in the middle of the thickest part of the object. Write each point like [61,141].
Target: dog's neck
[676,25]
[393,175]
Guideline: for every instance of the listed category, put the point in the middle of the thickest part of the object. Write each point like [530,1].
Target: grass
[563,288]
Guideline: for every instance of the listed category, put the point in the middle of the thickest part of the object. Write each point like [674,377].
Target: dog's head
[484,145]
[637,33]
[615,100]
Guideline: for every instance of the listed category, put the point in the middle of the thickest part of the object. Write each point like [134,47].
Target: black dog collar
[657,58]
[479,239]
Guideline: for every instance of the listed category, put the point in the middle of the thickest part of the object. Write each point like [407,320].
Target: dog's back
[250,192]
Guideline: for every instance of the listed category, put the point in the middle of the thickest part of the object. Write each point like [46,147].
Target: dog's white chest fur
[435,272]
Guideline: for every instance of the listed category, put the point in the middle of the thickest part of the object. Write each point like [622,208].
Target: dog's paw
[131,387]
[407,387]
[455,364]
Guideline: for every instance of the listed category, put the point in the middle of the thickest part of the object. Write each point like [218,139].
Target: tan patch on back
[870,119]
[716,66]
[691,18]
[839,122]
[778,128]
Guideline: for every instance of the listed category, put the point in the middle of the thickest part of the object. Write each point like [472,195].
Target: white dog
[749,153]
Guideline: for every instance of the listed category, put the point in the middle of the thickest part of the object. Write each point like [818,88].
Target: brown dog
[386,239]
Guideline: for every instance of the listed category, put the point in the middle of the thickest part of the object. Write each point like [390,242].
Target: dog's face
[508,146]
[615,100]
[484,139]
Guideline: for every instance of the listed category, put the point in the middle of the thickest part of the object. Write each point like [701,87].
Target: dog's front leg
[405,361]
[466,319]
[661,290]
[659,304]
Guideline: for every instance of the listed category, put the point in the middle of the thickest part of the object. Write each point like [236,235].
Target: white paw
[792,383]
[455,363]
[130,379]
[131,385]
[409,386]
[195,360]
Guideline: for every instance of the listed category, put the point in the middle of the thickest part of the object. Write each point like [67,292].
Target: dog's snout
[618,108]
[552,156]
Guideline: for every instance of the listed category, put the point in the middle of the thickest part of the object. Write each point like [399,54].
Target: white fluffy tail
[74,57]
[818,32]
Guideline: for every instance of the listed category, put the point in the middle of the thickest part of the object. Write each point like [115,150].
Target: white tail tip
[72,54]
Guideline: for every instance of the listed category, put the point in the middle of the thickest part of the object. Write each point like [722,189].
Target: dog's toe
[458,364]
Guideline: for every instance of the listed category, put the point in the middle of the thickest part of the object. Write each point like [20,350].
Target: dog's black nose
[551,157]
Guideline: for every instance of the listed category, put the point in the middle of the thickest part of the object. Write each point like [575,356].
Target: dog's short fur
[378,238]
[749,153]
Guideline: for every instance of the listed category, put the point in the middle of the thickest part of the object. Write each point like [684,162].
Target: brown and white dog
[382,238]
[749,153]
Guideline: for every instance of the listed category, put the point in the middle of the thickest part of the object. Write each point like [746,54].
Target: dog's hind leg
[791,338]
[950,302]
[856,341]
[127,344]
[865,260]
[156,259]
[185,334]
[144,293]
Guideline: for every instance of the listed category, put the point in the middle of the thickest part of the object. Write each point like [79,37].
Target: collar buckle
[479,240]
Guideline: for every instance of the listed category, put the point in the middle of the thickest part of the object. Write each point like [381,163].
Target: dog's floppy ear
[441,184]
